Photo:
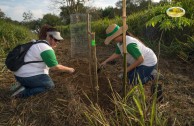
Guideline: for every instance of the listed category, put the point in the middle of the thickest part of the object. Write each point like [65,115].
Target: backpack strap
[41,41]
[37,41]
[32,62]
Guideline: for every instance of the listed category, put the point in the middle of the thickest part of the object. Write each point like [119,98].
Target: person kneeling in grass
[34,78]
[141,60]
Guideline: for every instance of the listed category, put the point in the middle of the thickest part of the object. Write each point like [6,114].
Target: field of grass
[73,102]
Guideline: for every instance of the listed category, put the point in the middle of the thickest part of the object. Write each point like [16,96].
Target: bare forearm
[63,68]
[135,64]
[112,57]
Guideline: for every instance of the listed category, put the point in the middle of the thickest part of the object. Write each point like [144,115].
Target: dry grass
[65,104]
[56,107]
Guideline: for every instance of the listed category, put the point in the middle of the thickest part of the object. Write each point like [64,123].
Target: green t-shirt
[49,58]
[131,49]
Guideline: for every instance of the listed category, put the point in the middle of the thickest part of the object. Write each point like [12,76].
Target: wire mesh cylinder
[79,35]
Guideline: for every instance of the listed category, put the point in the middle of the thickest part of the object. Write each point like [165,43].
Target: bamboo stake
[95,65]
[124,49]
[90,54]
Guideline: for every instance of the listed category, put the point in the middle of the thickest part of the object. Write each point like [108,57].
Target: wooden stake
[124,49]
[90,54]
[95,65]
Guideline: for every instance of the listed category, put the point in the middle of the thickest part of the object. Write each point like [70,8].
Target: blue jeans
[144,73]
[35,84]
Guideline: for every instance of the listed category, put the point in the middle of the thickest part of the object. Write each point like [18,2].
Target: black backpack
[15,58]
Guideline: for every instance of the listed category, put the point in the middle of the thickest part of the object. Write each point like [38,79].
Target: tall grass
[136,109]
[10,36]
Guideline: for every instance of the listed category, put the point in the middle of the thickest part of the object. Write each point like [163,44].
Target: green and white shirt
[38,52]
[135,49]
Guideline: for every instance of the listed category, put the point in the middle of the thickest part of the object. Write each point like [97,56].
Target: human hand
[103,64]
[113,62]
[71,70]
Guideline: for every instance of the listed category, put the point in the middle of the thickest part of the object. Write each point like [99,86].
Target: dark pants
[144,73]
[35,84]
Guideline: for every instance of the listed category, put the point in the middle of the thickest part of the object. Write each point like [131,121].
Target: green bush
[12,35]
[153,25]
[175,32]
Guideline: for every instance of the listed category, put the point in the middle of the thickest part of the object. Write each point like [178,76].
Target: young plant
[135,109]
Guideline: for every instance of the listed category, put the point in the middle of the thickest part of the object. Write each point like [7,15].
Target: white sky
[15,8]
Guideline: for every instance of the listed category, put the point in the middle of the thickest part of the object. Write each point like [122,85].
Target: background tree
[134,5]
[73,6]
[28,16]
[108,12]
[51,19]
[95,12]
[68,7]
[67,10]
[2,14]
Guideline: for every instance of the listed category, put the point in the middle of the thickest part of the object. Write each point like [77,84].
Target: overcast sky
[15,8]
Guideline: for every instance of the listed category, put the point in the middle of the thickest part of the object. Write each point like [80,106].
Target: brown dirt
[63,105]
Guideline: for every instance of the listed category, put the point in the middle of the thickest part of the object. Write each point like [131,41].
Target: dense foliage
[11,35]
[153,25]
[176,33]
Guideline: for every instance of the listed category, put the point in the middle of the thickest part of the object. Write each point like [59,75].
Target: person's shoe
[15,86]
[155,74]
[18,91]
